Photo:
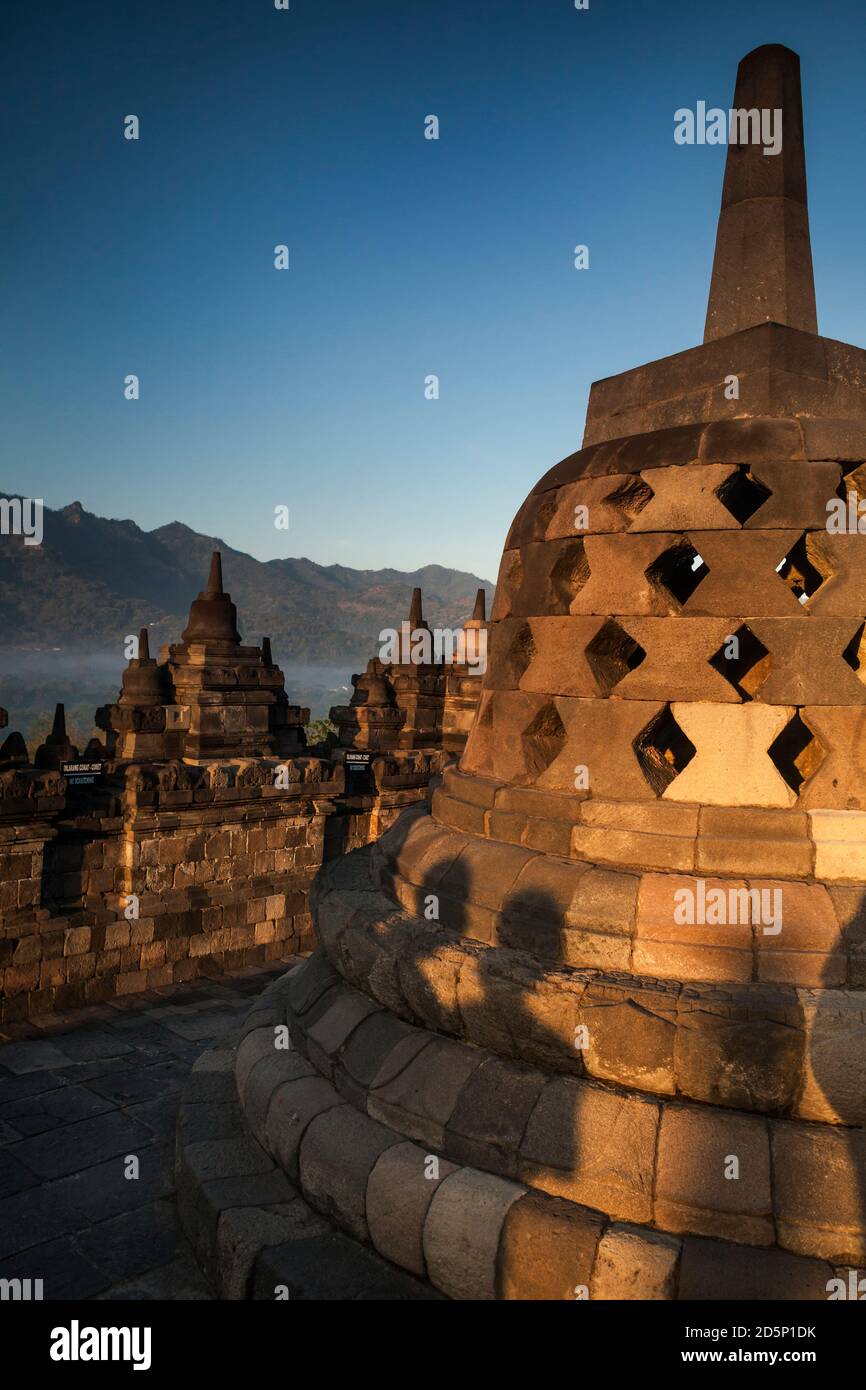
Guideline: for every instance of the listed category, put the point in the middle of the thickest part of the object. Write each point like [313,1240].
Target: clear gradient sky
[408,256]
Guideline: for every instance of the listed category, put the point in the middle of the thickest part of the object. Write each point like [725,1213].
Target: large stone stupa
[594,1025]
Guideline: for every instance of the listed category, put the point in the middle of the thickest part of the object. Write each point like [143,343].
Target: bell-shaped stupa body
[614,980]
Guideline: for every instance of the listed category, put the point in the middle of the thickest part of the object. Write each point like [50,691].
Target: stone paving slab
[81,1092]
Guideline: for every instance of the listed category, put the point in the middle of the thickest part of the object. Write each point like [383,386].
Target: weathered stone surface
[714,1175]
[674,949]
[491,1114]
[243,1232]
[420,1100]
[462,1232]
[510,1007]
[743,1274]
[715,730]
[293,1106]
[328,1034]
[338,1152]
[743,1049]
[818,1185]
[546,1249]
[630,1036]
[635,1265]
[593,1147]
[429,974]
[400,1189]
[834,1087]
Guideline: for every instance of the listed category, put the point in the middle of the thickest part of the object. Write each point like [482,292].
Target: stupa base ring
[465,1172]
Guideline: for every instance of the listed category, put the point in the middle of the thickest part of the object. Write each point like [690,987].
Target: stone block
[484,872]
[634,1265]
[558,663]
[745,841]
[293,1106]
[710,1272]
[263,1082]
[593,1147]
[819,1185]
[517,1010]
[400,1189]
[462,1232]
[429,966]
[688,951]
[834,1089]
[546,1249]
[328,1033]
[420,1099]
[630,1035]
[840,845]
[459,815]
[77,941]
[338,1152]
[710,778]
[365,1052]
[491,1114]
[740,1048]
[698,1149]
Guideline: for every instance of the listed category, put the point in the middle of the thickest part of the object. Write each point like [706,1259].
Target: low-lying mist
[34,679]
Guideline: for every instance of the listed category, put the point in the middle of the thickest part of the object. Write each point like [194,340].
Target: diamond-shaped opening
[742,494]
[543,740]
[796,753]
[520,653]
[679,569]
[663,750]
[798,571]
[744,662]
[570,573]
[611,654]
[630,497]
[855,653]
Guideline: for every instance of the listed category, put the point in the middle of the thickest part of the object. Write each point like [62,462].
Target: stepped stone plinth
[208,696]
[594,1025]
[408,703]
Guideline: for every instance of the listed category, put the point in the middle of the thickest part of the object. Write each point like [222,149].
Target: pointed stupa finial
[143,645]
[56,749]
[215,578]
[58,728]
[479,612]
[267,659]
[416,616]
[212,616]
[762,269]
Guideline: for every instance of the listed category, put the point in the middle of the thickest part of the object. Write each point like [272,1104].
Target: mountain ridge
[95,579]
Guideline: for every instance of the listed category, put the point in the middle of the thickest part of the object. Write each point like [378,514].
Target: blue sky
[408,256]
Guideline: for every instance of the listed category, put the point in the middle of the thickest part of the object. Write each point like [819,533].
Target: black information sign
[357,766]
[81,774]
